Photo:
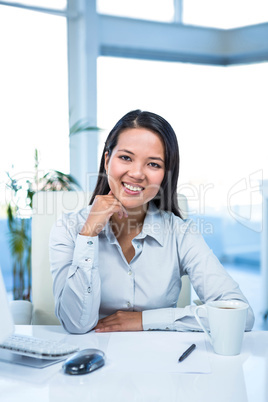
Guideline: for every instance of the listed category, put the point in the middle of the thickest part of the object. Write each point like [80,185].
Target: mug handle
[200,323]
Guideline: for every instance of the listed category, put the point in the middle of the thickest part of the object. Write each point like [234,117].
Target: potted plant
[19,210]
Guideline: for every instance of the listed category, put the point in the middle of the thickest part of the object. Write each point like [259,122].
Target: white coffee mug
[227,321]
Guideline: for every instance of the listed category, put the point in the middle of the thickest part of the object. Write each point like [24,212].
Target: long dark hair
[166,199]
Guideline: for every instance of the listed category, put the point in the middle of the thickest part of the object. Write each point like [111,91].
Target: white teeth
[133,188]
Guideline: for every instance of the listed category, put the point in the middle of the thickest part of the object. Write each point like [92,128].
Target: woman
[117,264]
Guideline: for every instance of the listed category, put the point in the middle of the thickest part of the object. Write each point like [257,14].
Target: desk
[242,378]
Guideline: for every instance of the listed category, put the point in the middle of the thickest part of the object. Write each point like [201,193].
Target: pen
[187,352]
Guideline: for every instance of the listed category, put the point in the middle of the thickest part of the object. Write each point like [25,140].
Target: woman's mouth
[132,189]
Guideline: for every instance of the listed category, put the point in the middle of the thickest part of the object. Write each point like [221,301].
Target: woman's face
[136,167]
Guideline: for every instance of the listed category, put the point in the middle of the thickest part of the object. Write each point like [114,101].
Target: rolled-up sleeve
[76,280]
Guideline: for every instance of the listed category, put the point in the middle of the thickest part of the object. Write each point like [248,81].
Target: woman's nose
[136,171]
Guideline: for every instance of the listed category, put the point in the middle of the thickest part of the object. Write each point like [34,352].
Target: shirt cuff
[84,251]
[158,319]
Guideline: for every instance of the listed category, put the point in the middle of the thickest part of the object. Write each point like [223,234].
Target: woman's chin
[134,205]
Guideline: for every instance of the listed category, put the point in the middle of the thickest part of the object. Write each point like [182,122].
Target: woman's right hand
[103,207]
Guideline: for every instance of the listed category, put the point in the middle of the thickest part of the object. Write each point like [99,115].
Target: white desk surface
[242,378]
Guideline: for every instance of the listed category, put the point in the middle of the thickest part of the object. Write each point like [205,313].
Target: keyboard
[39,348]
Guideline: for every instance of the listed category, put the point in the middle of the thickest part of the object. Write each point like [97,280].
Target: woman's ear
[106,156]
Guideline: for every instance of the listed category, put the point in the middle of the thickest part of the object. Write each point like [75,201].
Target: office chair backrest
[47,207]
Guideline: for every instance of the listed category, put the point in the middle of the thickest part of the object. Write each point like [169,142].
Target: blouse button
[130,272]
[89,289]
[88,259]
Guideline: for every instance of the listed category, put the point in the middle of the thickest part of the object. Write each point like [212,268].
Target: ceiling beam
[247,44]
[141,39]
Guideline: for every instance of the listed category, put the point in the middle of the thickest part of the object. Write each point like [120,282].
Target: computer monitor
[6,319]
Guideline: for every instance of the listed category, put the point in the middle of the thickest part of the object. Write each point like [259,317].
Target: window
[156,10]
[225,14]
[34,91]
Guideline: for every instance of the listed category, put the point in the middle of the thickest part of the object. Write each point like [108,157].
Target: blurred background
[70,69]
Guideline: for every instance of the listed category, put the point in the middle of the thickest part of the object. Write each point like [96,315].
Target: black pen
[187,352]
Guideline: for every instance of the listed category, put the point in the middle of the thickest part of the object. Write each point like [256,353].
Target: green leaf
[81,126]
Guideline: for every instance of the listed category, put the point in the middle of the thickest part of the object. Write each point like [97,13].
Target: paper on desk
[157,351]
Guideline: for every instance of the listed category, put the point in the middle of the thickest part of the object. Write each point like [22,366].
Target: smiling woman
[117,265]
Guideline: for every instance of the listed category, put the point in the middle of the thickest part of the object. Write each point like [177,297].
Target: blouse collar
[152,226]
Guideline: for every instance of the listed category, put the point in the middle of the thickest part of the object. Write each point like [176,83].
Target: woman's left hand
[121,321]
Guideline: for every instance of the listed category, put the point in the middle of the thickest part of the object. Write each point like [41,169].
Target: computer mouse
[83,362]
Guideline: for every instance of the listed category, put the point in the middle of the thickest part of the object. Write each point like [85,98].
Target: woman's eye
[125,158]
[155,165]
